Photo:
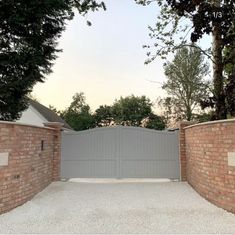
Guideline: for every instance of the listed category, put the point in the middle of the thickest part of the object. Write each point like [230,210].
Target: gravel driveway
[112,208]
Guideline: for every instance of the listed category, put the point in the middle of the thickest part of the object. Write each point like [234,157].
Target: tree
[128,111]
[29,32]
[54,109]
[9,106]
[103,116]
[230,94]
[78,114]
[170,112]
[229,57]
[205,116]
[131,110]
[186,84]
[215,17]
[155,122]
[136,111]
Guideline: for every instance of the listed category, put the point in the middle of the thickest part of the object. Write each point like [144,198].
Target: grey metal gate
[120,152]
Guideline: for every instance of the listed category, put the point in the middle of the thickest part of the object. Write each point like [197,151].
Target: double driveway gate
[120,152]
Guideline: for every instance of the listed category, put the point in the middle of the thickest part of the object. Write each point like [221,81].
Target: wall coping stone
[210,123]
[54,125]
[25,124]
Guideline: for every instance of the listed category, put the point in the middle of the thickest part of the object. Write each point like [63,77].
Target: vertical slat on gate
[118,130]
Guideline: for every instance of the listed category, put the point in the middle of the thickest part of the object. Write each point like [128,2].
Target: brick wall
[207,148]
[182,150]
[32,164]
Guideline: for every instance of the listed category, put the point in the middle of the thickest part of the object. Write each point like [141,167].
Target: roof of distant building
[48,114]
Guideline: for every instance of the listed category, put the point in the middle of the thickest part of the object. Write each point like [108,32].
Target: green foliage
[131,110]
[103,116]
[54,109]
[9,106]
[205,117]
[79,121]
[182,23]
[128,111]
[155,122]
[229,58]
[78,114]
[185,85]
[230,94]
[29,32]
[171,111]
[194,18]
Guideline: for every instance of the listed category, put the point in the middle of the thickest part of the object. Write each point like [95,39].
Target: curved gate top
[120,152]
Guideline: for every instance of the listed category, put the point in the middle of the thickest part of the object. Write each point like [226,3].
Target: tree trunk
[220,109]
[230,93]
[188,113]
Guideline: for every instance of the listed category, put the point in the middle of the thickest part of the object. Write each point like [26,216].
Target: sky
[105,60]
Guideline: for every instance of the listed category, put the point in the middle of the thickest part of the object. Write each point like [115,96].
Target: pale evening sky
[106,60]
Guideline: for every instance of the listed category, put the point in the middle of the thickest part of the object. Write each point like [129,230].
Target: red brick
[205,148]
[36,169]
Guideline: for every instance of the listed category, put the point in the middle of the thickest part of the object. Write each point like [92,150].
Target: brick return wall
[29,159]
[210,155]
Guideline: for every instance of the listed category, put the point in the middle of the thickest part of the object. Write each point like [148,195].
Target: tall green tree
[186,84]
[78,114]
[229,57]
[131,110]
[214,17]
[128,111]
[136,111]
[103,116]
[155,122]
[29,33]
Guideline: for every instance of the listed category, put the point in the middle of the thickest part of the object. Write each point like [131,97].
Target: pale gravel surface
[66,207]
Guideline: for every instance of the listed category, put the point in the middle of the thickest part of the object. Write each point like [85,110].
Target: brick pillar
[182,150]
[57,126]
